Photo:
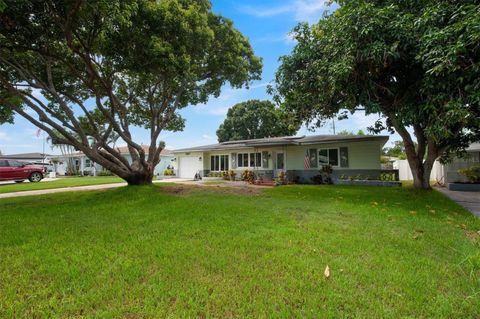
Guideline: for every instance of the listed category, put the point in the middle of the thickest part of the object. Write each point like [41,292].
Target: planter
[368,183]
[464,187]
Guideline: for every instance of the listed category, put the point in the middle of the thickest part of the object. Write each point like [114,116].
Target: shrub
[281,179]
[248,176]
[472,173]
[232,175]
[317,179]
[105,172]
[387,177]
[168,172]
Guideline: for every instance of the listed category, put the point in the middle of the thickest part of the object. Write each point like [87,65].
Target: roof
[25,156]
[474,147]
[285,140]
[122,150]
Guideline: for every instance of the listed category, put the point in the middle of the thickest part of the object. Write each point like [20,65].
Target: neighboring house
[28,157]
[84,165]
[447,173]
[300,157]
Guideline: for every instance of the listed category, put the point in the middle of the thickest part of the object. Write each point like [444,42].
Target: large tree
[415,63]
[254,119]
[86,70]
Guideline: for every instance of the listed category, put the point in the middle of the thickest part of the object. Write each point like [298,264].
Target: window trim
[240,163]
[227,163]
[328,155]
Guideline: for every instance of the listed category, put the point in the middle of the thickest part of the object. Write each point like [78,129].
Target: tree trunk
[421,171]
[139,178]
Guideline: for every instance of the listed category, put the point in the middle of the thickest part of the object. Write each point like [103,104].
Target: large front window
[328,156]
[249,159]
[219,163]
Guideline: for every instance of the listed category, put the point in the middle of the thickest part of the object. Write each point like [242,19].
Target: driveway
[82,188]
[469,200]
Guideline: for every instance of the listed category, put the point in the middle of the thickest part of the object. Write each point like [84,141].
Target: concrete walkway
[82,188]
[469,200]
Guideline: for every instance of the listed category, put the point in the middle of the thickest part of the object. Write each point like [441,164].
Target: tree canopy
[85,70]
[254,119]
[415,63]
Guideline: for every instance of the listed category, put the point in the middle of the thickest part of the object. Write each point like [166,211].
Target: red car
[11,170]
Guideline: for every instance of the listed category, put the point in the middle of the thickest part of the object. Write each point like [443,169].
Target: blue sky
[267,25]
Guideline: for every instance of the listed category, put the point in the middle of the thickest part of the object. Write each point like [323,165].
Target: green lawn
[173,251]
[59,183]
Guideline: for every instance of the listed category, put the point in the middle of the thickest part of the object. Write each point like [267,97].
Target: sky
[267,25]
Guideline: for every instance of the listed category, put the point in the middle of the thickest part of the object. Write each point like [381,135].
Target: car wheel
[35,177]
[19,181]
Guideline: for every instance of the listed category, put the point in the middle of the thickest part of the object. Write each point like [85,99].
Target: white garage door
[189,166]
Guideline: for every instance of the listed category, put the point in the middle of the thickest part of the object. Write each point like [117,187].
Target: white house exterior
[85,166]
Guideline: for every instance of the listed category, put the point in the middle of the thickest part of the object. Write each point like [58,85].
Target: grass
[177,251]
[59,183]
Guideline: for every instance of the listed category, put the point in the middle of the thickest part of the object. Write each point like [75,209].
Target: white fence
[405,173]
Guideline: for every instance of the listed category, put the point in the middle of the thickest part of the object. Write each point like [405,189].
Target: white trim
[255,160]
[219,163]
[330,148]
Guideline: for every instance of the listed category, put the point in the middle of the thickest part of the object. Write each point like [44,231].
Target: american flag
[306,162]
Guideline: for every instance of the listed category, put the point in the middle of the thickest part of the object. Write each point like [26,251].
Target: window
[3,163]
[87,163]
[249,160]
[16,164]
[312,153]
[219,163]
[328,156]
[280,161]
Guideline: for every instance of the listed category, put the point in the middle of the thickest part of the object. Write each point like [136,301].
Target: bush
[168,172]
[472,173]
[248,176]
[105,172]
[281,179]
[387,177]
[232,175]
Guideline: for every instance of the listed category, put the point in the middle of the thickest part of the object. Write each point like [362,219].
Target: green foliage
[255,119]
[139,61]
[248,176]
[414,62]
[397,150]
[349,133]
[387,177]
[472,173]
[168,172]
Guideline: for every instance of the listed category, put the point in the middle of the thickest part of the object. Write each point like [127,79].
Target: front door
[279,162]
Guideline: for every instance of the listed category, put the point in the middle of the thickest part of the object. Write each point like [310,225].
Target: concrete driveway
[469,200]
[83,188]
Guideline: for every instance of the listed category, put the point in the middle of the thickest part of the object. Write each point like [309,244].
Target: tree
[254,119]
[416,63]
[349,133]
[397,150]
[92,69]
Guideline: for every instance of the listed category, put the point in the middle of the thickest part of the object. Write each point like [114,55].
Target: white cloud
[4,137]
[303,10]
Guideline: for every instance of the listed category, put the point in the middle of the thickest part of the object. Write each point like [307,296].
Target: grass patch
[59,183]
[147,252]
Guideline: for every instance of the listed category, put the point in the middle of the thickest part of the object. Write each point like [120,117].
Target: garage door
[189,166]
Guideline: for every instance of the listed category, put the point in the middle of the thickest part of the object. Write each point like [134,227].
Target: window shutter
[343,156]
[234,160]
[264,159]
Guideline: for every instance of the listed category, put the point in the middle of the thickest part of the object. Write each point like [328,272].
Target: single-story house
[83,165]
[28,157]
[299,157]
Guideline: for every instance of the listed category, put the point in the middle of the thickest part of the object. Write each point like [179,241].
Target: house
[299,157]
[80,163]
[28,157]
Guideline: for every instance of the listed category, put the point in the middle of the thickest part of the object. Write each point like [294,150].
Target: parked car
[11,170]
